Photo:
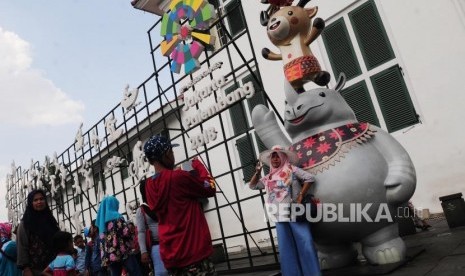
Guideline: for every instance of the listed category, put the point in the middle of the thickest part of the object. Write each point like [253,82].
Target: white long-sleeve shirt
[140,223]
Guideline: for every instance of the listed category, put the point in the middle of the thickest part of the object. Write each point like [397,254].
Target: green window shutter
[371,35]
[358,98]
[394,99]
[235,17]
[100,176]
[77,199]
[258,97]
[247,156]
[237,112]
[340,50]
[261,148]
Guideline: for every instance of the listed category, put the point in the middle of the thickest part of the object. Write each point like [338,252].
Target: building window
[125,166]
[78,199]
[340,51]
[100,176]
[239,120]
[247,156]
[357,44]
[236,20]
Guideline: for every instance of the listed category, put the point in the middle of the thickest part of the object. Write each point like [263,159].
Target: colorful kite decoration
[197,15]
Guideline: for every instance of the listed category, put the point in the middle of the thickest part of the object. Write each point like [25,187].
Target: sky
[62,63]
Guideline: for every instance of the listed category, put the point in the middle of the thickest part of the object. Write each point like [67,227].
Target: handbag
[308,201]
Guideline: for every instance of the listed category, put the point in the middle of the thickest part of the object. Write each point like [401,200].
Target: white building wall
[429,39]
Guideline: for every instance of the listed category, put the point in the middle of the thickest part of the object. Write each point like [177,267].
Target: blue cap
[156,146]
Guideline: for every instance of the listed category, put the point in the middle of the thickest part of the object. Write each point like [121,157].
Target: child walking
[63,264]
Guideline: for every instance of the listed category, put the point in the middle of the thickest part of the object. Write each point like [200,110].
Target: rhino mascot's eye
[322,94]
[290,13]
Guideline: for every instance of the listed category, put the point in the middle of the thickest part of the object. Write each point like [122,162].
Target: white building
[404,64]
[426,39]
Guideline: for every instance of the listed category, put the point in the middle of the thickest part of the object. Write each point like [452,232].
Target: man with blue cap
[185,241]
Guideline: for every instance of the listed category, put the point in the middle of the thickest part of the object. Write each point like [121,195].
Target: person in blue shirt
[81,254]
[93,261]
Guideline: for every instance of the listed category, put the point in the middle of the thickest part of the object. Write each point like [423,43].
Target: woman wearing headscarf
[297,252]
[35,233]
[117,239]
[7,252]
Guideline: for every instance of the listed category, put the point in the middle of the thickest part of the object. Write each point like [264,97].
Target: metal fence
[107,158]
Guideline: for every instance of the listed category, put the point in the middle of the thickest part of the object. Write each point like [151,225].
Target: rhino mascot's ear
[341,81]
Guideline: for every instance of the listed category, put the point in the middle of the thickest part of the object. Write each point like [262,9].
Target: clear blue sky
[63,62]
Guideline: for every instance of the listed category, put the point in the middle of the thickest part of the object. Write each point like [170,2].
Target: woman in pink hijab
[298,256]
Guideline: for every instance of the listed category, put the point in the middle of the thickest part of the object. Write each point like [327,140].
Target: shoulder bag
[308,201]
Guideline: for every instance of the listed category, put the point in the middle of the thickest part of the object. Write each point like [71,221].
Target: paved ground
[438,251]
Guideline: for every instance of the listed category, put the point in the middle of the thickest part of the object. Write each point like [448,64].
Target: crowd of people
[170,235]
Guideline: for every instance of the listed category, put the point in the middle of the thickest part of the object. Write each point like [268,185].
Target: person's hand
[145,258]
[258,167]
[87,273]
[300,198]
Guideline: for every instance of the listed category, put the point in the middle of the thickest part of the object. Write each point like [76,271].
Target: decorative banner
[198,15]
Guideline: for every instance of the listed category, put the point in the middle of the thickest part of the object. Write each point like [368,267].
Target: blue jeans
[158,266]
[130,264]
[297,253]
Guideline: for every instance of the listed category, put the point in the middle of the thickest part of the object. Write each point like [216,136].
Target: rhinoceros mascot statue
[361,172]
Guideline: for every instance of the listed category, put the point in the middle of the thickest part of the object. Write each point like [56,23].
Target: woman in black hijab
[34,237]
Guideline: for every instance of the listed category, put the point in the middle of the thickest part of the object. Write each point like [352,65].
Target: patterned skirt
[301,67]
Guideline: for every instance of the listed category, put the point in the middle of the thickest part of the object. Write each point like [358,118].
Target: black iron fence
[107,158]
